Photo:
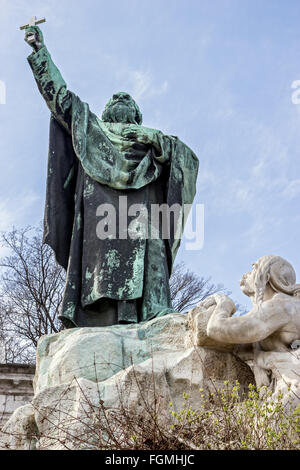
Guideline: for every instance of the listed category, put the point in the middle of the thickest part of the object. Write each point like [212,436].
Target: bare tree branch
[188,288]
[32,286]
[31,291]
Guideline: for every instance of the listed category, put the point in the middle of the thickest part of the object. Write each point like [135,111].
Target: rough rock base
[86,375]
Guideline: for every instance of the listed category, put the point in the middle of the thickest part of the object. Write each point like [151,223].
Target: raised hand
[225,303]
[34,37]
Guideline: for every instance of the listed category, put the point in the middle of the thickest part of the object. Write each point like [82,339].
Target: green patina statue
[95,165]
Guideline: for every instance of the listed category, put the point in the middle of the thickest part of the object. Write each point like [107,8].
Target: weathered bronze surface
[94,162]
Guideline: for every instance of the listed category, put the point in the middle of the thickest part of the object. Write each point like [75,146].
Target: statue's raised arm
[256,325]
[49,80]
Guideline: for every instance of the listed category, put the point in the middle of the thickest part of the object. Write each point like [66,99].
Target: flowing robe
[117,279]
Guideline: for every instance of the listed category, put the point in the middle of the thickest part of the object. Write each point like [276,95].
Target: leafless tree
[31,290]
[188,288]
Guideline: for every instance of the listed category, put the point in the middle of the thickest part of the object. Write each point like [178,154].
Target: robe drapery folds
[91,164]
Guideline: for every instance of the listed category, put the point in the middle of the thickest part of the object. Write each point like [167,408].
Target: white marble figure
[272,327]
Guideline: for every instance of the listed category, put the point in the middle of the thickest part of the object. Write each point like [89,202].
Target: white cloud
[142,85]
[292,189]
[256,231]
[14,211]
[257,187]
[224,113]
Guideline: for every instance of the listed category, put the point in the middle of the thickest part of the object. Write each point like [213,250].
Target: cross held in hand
[33,22]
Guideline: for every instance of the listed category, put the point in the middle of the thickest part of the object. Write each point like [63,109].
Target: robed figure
[95,165]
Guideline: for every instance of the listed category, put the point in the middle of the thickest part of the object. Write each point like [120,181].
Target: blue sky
[216,73]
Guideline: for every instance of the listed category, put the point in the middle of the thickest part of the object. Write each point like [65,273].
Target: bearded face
[247,282]
[122,108]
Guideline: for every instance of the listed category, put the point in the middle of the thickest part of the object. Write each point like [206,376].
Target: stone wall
[16,388]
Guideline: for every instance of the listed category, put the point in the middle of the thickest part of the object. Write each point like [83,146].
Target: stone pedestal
[83,370]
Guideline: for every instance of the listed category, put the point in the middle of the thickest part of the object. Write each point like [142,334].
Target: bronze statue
[100,168]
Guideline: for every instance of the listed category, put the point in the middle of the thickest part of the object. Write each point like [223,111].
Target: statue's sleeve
[52,86]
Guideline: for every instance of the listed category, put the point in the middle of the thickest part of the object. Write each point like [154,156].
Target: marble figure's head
[272,270]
